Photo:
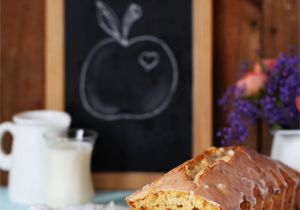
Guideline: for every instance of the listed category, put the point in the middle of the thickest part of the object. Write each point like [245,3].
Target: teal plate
[101,197]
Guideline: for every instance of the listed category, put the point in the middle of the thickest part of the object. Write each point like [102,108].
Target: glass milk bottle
[69,159]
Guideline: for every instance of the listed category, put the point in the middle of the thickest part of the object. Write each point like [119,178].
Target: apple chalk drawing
[127,78]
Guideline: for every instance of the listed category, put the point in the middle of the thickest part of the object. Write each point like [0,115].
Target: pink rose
[252,83]
[255,81]
[268,64]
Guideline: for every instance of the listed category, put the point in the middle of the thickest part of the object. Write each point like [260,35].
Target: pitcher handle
[5,159]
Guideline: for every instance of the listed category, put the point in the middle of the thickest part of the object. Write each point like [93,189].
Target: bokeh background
[240,28]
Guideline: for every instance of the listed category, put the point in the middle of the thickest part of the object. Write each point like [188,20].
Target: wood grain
[202,75]
[281,26]
[54,54]
[22,59]
[280,31]
[236,37]
[128,180]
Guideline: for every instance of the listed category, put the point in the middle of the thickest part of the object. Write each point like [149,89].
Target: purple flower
[242,112]
[278,103]
[275,104]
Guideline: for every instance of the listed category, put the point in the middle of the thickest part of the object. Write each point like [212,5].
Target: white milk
[69,181]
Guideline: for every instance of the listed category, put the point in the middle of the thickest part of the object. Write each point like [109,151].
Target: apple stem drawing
[149,60]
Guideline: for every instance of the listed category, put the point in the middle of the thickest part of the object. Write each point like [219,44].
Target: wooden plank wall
[236,37]
[22,59]
[240,27]
[281,30]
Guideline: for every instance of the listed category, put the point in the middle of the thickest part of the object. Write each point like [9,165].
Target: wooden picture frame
[202,84]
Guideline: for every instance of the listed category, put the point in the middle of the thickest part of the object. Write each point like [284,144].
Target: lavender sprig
[282,88]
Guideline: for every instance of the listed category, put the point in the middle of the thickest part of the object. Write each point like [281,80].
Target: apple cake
[226,178]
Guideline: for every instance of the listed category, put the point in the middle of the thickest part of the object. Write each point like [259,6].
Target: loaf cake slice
[225,178]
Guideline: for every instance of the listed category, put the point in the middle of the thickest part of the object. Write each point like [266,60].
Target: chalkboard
[129,75]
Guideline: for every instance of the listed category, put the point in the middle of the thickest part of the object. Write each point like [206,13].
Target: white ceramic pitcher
[27,162]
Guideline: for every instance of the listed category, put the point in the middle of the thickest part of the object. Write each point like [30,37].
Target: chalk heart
[148,60]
